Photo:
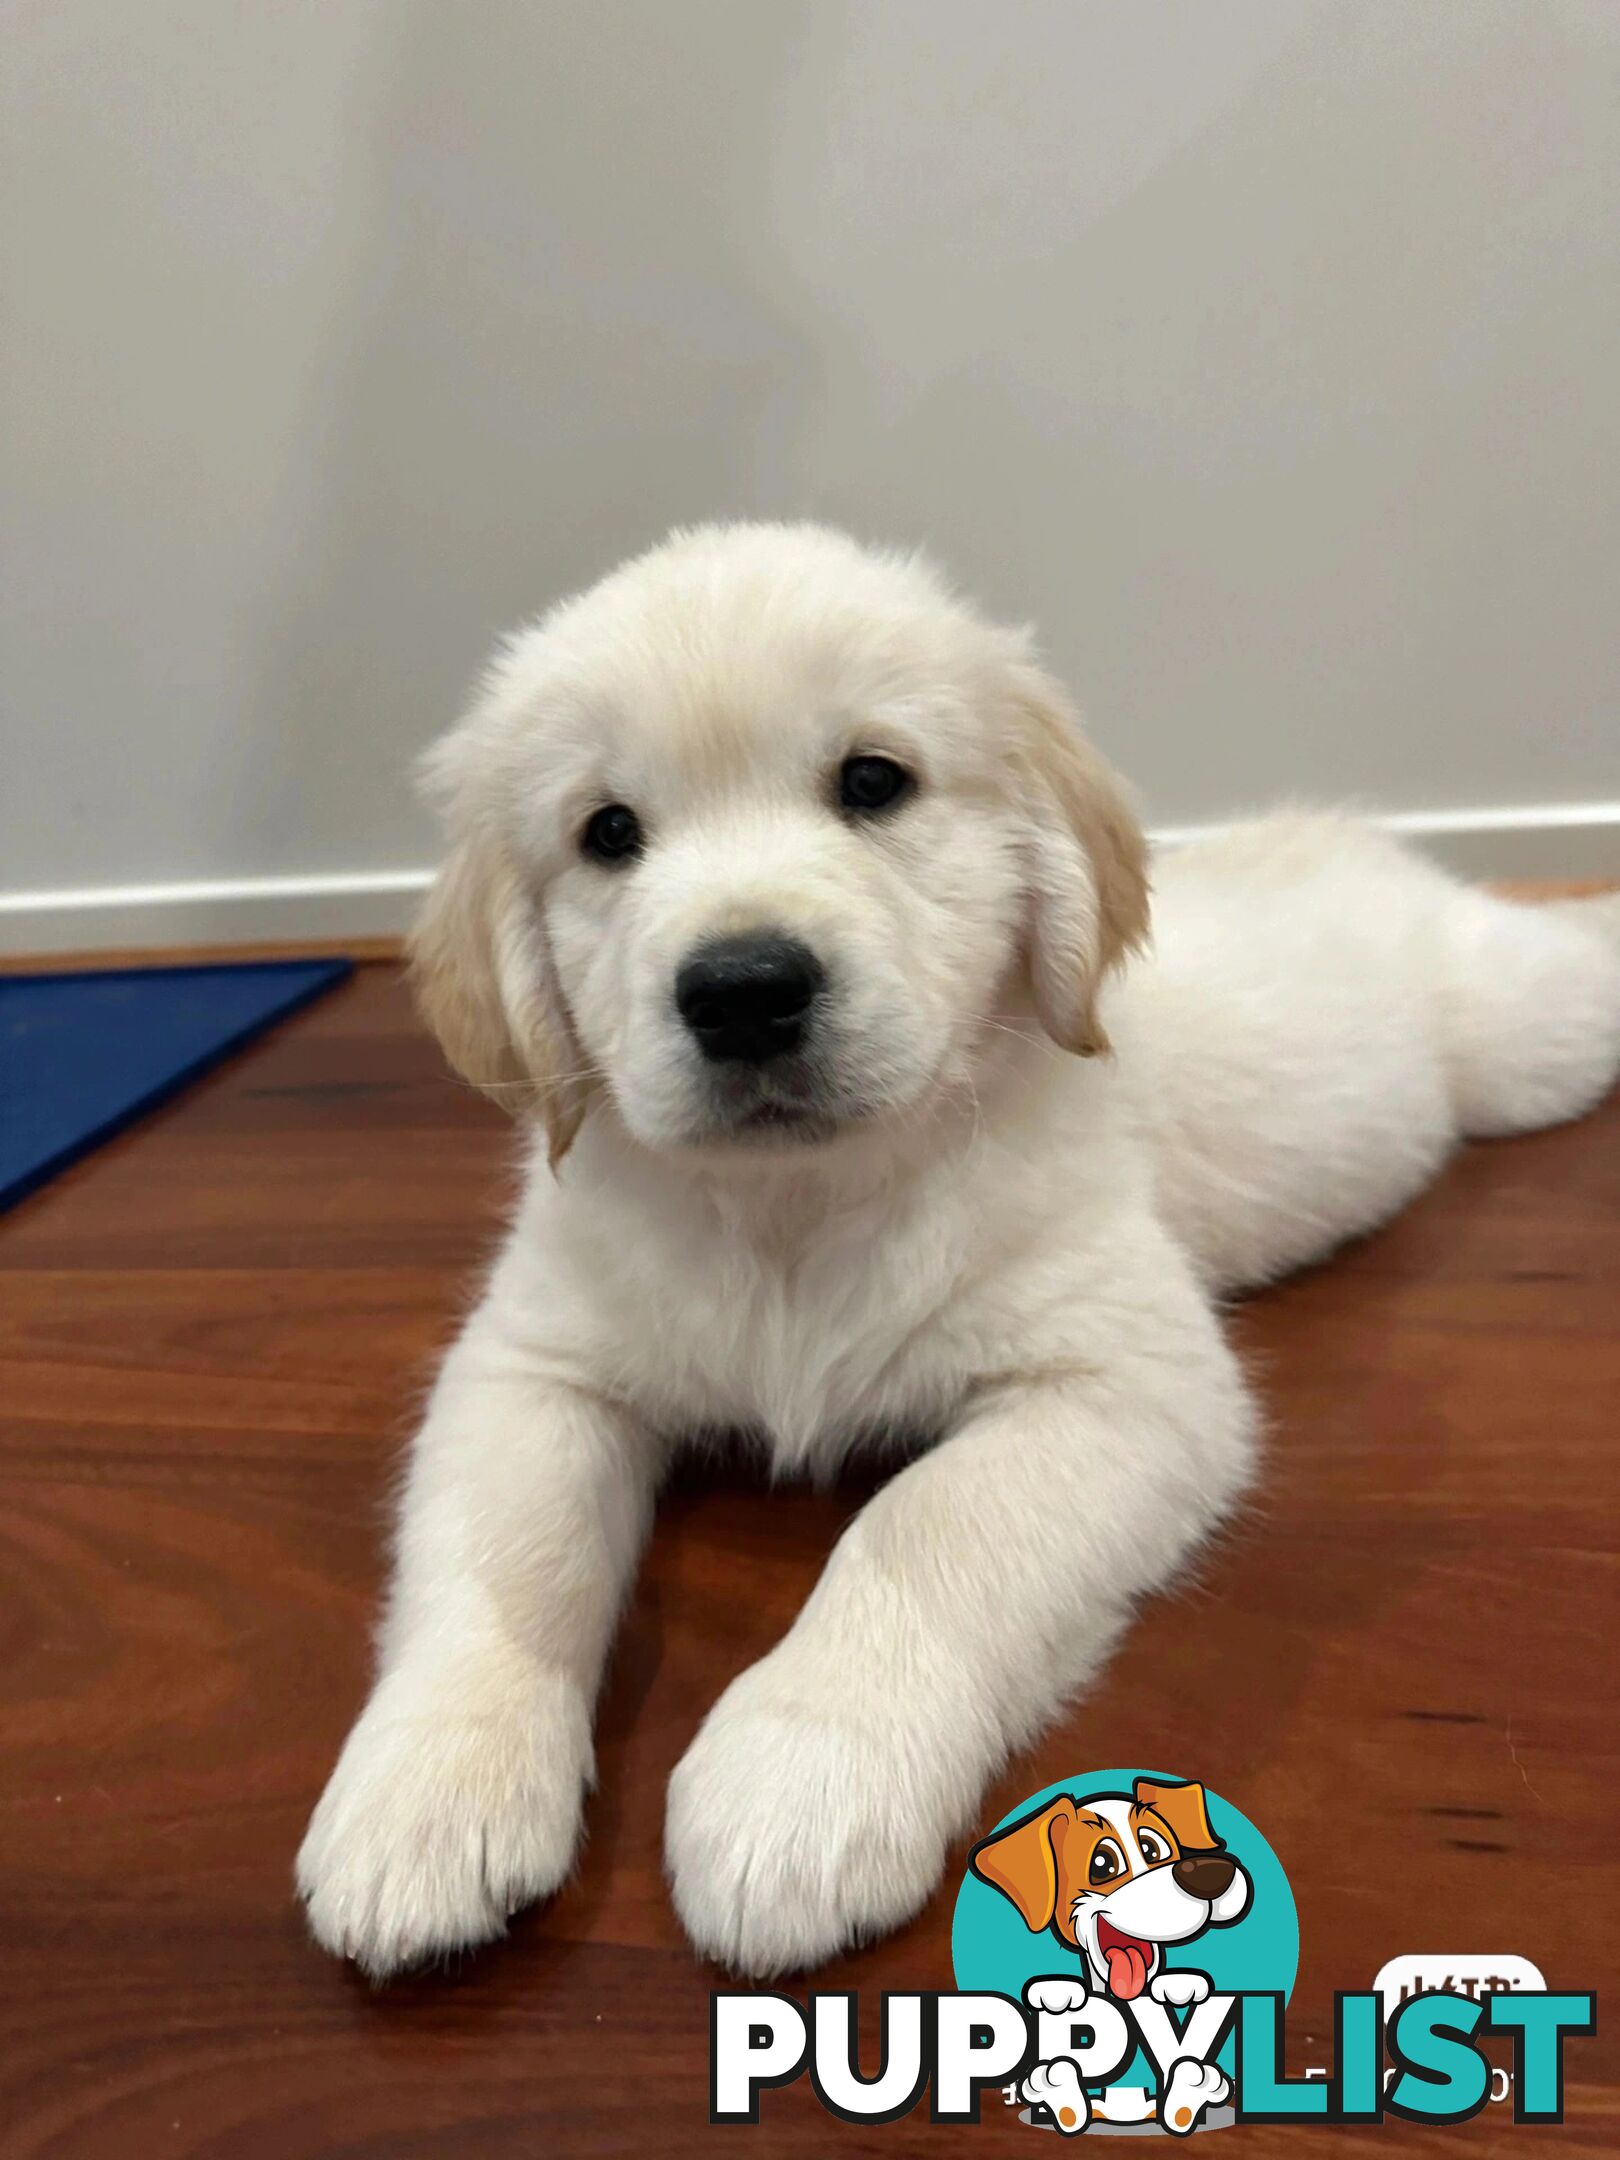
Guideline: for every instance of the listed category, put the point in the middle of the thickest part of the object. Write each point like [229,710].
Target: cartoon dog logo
[1117,1877]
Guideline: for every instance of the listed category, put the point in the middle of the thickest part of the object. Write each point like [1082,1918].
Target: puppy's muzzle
[748,999]
[1204,1875]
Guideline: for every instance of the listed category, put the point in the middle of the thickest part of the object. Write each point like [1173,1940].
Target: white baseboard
[1552,840]
[212,911]
[1538,840]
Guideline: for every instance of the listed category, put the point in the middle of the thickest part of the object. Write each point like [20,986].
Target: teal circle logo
[1124,1880]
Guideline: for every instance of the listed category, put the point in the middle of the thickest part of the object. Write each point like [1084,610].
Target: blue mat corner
[82,1056]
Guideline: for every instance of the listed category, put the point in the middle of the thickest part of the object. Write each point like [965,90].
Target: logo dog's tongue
[1127,1968]
[1126,1958]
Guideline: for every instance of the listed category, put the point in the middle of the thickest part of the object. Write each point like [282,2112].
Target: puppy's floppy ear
[1087,876]
[1184,1808]
[485,985]
[1024,1862]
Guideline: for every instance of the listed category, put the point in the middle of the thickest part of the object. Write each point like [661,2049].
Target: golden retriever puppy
[788,905]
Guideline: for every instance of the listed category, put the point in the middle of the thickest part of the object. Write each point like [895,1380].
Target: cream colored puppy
[788,903]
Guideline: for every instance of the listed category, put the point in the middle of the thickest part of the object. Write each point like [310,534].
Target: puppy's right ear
[485,985]
[1024,1862]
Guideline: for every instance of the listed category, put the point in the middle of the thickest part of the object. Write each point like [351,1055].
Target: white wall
[1265,352]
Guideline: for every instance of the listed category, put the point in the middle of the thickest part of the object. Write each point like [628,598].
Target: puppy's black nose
[746,999]
[1205,1875]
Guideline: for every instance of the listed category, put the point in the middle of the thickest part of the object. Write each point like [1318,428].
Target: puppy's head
[1117,1876]
[761,834]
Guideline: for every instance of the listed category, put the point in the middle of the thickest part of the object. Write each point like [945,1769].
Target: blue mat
[83,1055]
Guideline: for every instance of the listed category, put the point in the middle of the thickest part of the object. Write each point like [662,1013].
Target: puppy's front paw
[791,1835]
[1179,1987]
[437,1825]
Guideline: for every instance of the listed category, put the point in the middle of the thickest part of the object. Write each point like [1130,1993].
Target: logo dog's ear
[1024,1860]
[1184,1808]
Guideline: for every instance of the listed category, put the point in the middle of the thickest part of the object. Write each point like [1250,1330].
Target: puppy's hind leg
[1530,1008]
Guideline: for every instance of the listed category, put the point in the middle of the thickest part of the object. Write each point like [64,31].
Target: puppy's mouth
[775,1123]
[793,1107]
[767,1117]
[788,1119]
[1128,1958]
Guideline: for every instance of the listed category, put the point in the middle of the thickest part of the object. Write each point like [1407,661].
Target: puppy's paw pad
[1180,1988]
[433,1831]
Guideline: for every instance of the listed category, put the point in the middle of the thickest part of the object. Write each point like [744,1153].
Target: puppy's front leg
[974,1593]
[458,1794]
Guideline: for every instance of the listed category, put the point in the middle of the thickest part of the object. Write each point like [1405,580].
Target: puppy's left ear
[1184,1808]
[1087,875]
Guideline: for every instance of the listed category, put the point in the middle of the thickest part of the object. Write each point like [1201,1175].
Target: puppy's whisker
[529,1087]
[1028,1037]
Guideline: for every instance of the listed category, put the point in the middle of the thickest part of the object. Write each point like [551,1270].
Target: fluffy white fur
[972,1235]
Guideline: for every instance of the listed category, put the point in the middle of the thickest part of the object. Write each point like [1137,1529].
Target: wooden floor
[211,1338]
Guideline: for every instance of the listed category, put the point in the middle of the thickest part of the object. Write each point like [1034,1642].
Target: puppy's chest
[815,1344]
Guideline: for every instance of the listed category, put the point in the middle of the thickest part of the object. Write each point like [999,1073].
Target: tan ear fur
[1023,1862]
[1088,866]
[1184,1808]
[485,985]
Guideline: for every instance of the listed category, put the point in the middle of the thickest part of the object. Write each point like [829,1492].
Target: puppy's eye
[1154,1849]
[868,784]
[1107,1863]
[612,835]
